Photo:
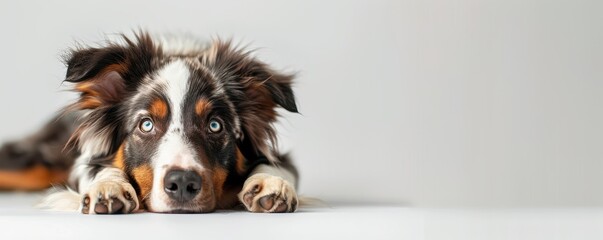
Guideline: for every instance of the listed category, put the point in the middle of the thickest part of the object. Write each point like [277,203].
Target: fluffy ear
[238,67]
[279,86]
[98,74]
[103,76]
[256,90]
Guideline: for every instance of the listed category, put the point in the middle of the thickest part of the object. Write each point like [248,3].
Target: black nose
[182,185]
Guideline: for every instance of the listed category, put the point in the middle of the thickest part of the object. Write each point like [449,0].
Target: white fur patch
[79,176]
[61,200]
[174,150]
[275,171]
[69,200]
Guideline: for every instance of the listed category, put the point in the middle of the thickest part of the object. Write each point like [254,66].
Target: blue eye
[146,125]
[214,126]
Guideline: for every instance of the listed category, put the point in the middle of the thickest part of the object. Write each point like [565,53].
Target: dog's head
[179,121]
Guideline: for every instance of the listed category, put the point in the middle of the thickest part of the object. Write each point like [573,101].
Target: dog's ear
[240,68]
[98,74]
[104,77]
[255,89]
[279,86]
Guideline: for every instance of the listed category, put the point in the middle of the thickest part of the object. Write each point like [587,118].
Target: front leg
[270,189]
[108,192]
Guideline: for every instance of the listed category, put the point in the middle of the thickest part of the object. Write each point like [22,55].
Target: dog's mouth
[189,207]
[185,211]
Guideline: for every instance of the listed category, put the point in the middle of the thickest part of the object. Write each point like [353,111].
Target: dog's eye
[214,126]
[146,125]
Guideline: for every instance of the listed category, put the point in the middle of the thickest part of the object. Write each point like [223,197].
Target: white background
[425,103]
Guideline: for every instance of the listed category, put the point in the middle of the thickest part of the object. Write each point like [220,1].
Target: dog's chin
[182,210]
[187,211]
[201,206]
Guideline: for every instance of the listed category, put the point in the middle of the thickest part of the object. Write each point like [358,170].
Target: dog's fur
[150,106]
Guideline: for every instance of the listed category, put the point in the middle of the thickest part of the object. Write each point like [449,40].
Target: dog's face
[177,121]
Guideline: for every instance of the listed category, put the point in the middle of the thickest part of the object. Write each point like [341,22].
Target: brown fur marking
[202,106]
[219,177]
[240,162]
[119,159]
[159,108]
[143,175]
[34,178]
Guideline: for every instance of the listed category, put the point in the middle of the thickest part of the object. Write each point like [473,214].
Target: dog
[162,124]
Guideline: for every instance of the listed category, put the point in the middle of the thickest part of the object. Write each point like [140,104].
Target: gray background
[426,103]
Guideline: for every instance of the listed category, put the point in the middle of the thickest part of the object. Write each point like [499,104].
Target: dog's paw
[266,193]
[109,197]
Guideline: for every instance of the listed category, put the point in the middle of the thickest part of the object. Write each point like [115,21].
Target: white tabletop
[18,220]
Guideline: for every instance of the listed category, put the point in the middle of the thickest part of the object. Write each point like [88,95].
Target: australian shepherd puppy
[163,125]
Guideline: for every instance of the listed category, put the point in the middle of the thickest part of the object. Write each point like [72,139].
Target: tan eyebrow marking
[201,106]
[159,108]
